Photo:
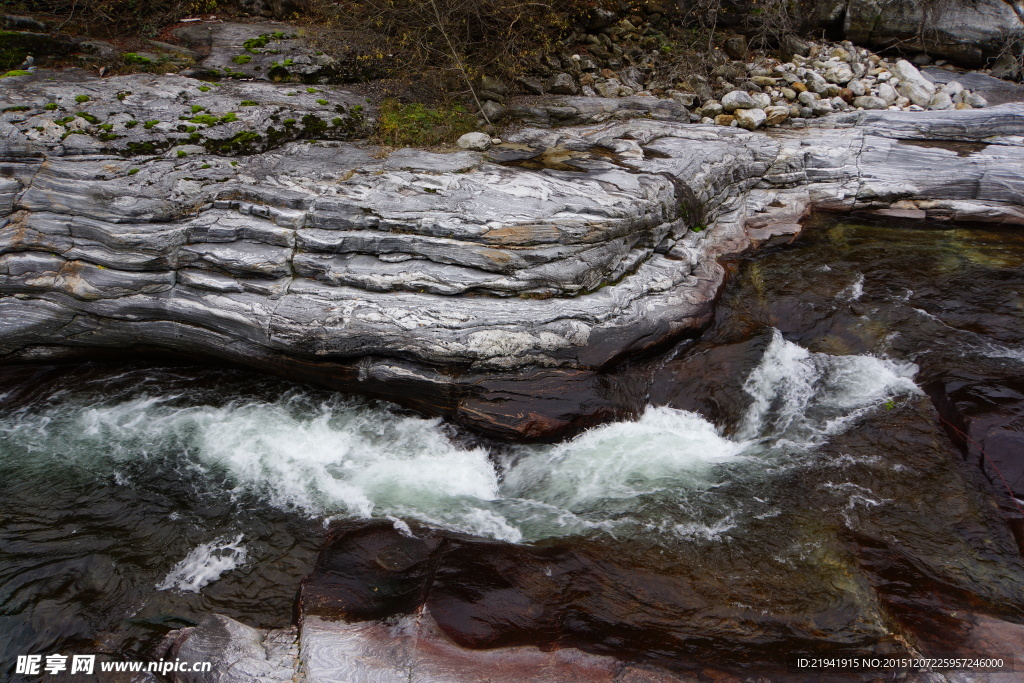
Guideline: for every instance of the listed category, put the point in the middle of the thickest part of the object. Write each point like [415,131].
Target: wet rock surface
[242,653]
[844,518]
[892,567]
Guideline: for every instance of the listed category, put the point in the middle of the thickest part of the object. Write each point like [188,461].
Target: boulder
[815,82]
[823,107]
[1006,66]
[491,88]
[870,102]
[684,98]
[761,100]
[791,46]
[241,654]
[278,52]
[966,31]
[750,119]
[563,84]
[712,108]
[531,85]
[609,88]
[807,98]
[492,111]
[952,88]
[736,47]
[976,100]
[13,22]
[737,99]
[915,93]
[840,74]
[908,74]
[887,93]
[940,101]
[477,142]
[776,115]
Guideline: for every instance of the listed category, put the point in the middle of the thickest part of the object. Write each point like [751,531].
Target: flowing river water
[788,464]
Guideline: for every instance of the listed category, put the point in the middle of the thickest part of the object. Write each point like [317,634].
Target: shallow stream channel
[834,466]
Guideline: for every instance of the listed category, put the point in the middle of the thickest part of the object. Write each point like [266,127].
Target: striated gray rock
[965,30]
[462,284]
[572,111]
[238,653]
[66,114]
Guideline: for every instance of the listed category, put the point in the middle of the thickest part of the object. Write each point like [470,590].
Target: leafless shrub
[496,36]
[111,17]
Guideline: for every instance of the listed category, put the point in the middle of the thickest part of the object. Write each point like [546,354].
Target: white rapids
[343,457]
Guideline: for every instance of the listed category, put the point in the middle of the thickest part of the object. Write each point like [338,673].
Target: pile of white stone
[848,79]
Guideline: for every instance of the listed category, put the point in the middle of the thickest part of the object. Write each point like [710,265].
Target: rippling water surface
[133,500]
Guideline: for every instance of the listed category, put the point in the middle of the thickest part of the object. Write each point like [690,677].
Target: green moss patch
[402,125]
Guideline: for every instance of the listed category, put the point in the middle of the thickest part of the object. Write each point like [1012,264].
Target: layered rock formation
[481,287]
[966,31]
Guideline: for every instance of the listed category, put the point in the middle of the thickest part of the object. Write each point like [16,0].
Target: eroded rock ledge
[493,289]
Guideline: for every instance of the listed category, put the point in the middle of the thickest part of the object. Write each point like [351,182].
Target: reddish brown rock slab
[412,648]
[603,597]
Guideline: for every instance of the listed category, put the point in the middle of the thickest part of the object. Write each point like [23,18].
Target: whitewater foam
[805,397]
[205,564]
[323,459]
[341,457]
[855,290]
[993,350]
[664,447]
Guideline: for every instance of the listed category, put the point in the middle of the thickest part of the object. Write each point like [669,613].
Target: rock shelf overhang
[490,288]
